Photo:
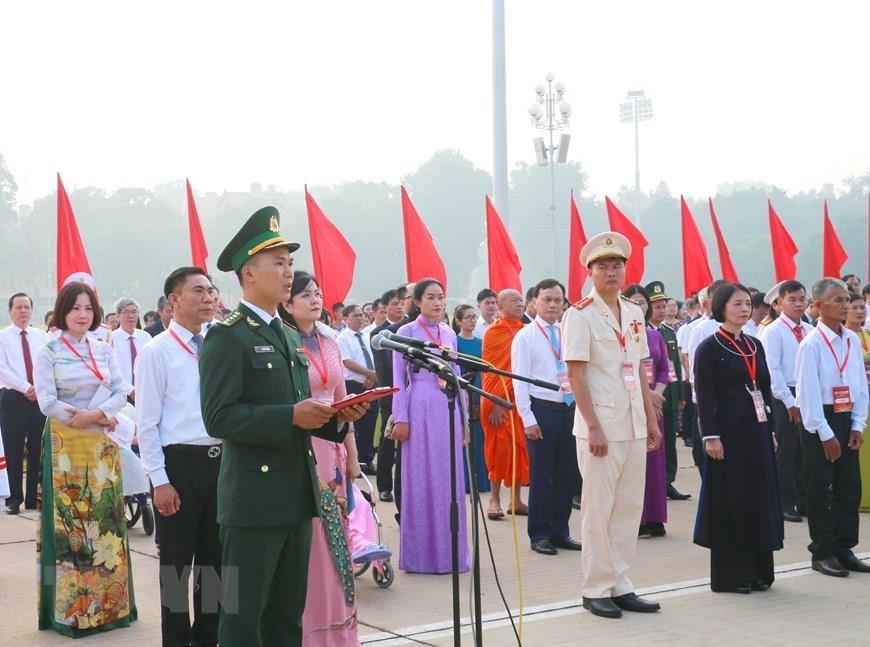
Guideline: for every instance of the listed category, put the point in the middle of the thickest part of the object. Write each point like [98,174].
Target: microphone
[387,341]
[408,341]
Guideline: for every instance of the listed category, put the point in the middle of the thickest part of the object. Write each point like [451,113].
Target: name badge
[842,399]
[628,376]
[672,371]
[758,403]
[264,349]
[647,365]
[564,384]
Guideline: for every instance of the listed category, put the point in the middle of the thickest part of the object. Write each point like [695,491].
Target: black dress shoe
[632,602]
[745,589]
[368,469]
[830,566]
[603,607]
[566,542]
[386,495]
[792,515]
[13,509]
[852,563]
[675,495]
[657,529]
[758,585]
[544,547]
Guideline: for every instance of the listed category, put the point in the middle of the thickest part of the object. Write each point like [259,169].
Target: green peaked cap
[259,233]
[656,291]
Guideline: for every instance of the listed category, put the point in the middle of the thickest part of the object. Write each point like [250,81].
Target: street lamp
[637,108]
[550,113]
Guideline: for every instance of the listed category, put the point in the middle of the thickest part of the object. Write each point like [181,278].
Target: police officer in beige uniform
[604,341]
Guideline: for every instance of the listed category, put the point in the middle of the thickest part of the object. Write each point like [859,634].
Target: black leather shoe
[603,607]
[13,509]
[368,469]
[386,495]
[566,542]
[631,602]
[830,566]
[792,515]
[852,563]
[675,495]
[544,547]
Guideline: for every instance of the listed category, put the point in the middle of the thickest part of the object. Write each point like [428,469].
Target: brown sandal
[495,515]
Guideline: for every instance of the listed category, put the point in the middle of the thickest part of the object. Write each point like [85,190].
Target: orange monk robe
[501,443]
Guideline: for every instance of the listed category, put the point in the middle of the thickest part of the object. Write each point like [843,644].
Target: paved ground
[803,607]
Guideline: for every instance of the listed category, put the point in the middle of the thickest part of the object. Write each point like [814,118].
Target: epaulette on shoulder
[231,319]
[582,303]
[627,300]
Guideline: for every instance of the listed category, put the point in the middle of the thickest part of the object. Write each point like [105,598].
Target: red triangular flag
[784,248]
[421,258]
[198,248]
[577,272]
[333,257]
[833,254]
[504,263]
[728,271]
[620,223]
[696,265]
[72,261]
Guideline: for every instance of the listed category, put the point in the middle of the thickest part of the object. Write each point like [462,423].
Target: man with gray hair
[832,395]
[128,340]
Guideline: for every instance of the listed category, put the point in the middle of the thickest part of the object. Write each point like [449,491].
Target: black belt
[205,451]
[561,406]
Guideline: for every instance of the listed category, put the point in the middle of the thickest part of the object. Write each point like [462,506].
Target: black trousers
[21,423]
[190,544]
[364,428]
[833,490]
[789,461]
[554,475]
[670,441]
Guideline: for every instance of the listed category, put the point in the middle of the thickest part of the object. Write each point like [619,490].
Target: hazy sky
[120,94]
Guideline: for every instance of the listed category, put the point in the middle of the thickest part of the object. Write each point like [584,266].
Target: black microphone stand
[439,365]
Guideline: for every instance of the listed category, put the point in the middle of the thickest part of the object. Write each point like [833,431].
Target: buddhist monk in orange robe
[501,439]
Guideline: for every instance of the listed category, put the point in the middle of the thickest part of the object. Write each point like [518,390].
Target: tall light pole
[499,114]
[636,108]
[550,113]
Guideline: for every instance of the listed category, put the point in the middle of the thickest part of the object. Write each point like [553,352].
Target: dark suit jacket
[156,328]
[249,381]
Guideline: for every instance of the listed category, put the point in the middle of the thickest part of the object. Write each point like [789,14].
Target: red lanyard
[93,365]
[797,331]
[556,353]
[183,345]
[840,367]
[322,369]
[752,367]
[425,328]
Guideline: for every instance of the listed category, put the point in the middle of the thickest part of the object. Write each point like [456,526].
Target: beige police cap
[773,294]
[607,243]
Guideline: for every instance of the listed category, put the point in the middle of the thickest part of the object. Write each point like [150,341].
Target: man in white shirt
[832,396]
[21,421]
[128,341]
[548,419]
[487,307]
[781,340]
[759,311]
[359,376]
[182,461]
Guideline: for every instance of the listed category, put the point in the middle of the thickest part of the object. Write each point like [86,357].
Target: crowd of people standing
[230,406]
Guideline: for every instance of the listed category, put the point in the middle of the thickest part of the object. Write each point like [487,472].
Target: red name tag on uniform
[628,376]
[672,371]
[647,365]
[564,384]
[842,399]
[758,403]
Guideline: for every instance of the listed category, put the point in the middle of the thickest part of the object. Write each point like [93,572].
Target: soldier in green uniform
[673,393]
[255,397]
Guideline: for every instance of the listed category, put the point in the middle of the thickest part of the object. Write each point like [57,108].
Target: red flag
[833,254]
[421,258]
[577,272]
[622,225]
[728,271]
[334,258]
[784,248]
[696,265]
[504,263]
[72,261]
[198,248]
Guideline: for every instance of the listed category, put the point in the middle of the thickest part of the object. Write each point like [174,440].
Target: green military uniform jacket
[250,379]
[673,392]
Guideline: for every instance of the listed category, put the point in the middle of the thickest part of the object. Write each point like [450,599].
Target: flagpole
[499,113]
